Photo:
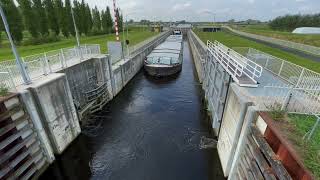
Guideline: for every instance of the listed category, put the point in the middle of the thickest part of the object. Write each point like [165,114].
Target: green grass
[308,150]
[235,41]
[265,30]
[136,35]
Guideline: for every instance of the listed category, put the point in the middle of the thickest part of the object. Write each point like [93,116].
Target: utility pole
[22,68]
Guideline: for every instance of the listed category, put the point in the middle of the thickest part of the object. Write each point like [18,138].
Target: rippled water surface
[150,131]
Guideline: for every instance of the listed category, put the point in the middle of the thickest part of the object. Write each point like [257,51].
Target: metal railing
[136,49]
[234,63]
[290,99]
[48,62]
[295,75]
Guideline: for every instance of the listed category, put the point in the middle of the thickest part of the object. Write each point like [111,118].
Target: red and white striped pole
[116,20]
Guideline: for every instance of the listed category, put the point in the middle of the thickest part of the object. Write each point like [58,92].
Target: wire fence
[45,63]
[301,91]
[290,99]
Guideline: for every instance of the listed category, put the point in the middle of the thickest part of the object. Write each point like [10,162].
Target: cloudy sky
[202,10]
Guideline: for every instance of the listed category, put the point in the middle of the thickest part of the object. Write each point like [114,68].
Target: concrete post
[251,116]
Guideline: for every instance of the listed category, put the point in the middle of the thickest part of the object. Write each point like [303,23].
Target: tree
[77,15]
[58,6]
[83,19]
[96,20]
[119,19]
[41,15]
[104,24]
[14,19]
[52,17]
[69,20]
[290,22]
[88,16]
[29,17]
[109,20]
[64,22]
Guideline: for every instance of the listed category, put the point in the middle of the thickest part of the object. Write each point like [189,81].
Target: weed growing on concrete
[3,90]
[276,111]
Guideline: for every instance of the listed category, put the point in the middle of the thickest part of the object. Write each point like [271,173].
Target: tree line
[291,22]
[46,20]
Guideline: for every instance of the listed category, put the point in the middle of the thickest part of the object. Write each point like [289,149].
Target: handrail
[237,72]
[233,62]
[256,67]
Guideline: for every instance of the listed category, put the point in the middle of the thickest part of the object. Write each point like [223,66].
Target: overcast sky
[201,10]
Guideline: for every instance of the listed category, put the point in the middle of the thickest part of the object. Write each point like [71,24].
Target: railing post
[47,62]
[86,49]
[279,74]
[314,128]
[300,77]
[43,64]
[62,60]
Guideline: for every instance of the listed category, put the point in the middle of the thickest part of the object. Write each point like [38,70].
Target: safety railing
[290,98]
[48,62]
[234,63]
[252,69]
[295,75]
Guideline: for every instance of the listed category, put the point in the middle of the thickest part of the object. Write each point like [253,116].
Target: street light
[22,68]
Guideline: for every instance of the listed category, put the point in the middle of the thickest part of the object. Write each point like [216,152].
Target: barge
[166,59]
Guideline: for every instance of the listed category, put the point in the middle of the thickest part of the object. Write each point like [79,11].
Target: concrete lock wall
[57,102]
[56,109]
[237,145]
[215,80]
[85,78]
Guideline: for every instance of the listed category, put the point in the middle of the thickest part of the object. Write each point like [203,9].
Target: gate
[215,84]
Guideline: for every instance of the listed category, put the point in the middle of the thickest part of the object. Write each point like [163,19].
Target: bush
[291,22]
[276,111]
[3,90]
[42,40]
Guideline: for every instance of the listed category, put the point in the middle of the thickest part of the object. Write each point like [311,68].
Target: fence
[289,98]
[293,45]
[45,63]
[138,48]
[301,91]
[238,66]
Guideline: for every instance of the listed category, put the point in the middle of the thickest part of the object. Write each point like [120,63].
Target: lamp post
[22,68]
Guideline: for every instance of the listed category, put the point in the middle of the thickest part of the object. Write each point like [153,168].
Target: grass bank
[136,35]
[264,30]
[295,127]
[232,40]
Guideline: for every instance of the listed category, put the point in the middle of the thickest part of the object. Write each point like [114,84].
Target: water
[152,130]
